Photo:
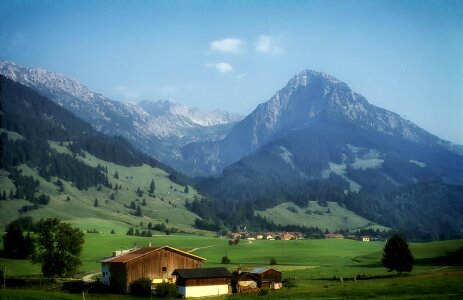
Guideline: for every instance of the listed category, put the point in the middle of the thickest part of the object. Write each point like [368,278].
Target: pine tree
[95,204]
[397,255]
[186,190]
[139,213]
[4,195]
[11,194]
[116,175]
[152,186]
[144,202]
[139,192]
[130,231]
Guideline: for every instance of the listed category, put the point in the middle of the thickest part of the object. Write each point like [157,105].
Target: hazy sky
[405,56]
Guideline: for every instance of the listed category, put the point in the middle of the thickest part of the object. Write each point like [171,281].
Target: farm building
[268,278]
[244,282]
[365,238]
[156,263]
[202,282]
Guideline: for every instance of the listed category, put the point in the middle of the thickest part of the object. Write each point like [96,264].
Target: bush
[273,261]
[166,289]
[141,287]
[289,282]
[225,260]
[263,292]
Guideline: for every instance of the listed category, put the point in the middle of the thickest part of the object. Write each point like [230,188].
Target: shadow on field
[454,258]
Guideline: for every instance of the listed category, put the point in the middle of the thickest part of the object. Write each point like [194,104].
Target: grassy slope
[110,214]
[316,215]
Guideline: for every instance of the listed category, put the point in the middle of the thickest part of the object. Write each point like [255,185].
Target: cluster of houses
[169,264]
[251,236]
[286,236]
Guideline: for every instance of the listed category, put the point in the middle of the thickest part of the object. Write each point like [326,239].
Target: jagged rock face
[157,128]
[309,99]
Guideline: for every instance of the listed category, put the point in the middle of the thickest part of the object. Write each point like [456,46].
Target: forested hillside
[54,163]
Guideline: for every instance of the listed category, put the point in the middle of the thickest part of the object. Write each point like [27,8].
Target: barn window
[164,269]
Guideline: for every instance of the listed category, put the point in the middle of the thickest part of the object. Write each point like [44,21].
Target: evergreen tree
[130,231]
[133,205]
[137,232]
[149,233]
[68,198]
[139,213]
[144,202]
[152,186]
[11,195]
[15,245]
[186,190]
[139,192]
[116,175]
[396,255]
[95,204]
[4,195]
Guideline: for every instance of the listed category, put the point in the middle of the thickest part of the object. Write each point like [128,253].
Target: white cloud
[222,67]
[232,46]
[266,45]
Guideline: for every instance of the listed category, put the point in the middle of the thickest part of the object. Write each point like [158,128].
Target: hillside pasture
[333,217]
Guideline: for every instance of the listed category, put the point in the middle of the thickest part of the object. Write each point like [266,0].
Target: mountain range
[156,128]
[314,140]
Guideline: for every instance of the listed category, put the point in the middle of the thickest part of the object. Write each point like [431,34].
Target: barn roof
[261,270]
[144,251]
[219,272]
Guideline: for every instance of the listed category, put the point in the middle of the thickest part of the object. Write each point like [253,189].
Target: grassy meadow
[317,265]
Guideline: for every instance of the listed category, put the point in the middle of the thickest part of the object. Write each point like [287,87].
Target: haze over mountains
[314,140]
[157,128]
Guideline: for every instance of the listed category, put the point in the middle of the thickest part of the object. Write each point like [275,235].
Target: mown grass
[317,265]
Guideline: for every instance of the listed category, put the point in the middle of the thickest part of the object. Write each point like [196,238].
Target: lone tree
[397,255]
[59,247]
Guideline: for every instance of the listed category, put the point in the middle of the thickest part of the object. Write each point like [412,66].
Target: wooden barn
[244,282]
[268,278]
[156,263]
[202,282]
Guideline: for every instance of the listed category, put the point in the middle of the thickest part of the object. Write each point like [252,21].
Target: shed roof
[261,270]
[144,251]
[219,272]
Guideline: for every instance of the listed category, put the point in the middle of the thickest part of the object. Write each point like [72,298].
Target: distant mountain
[157,128]
[54,164]
[309,99]
[318,140]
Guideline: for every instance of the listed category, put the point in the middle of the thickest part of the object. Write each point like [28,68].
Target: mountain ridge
[159,136]
[308,98]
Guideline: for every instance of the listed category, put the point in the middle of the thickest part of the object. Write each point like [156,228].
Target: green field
[314,264]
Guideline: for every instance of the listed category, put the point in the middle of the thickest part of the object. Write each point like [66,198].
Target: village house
[334,236]
[365,238]
[202,282]
[156,263]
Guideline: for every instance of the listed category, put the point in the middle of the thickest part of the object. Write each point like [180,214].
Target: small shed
[202,282]
[244,282]
[269,278]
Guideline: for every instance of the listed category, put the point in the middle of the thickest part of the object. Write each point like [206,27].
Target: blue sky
[406,56]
